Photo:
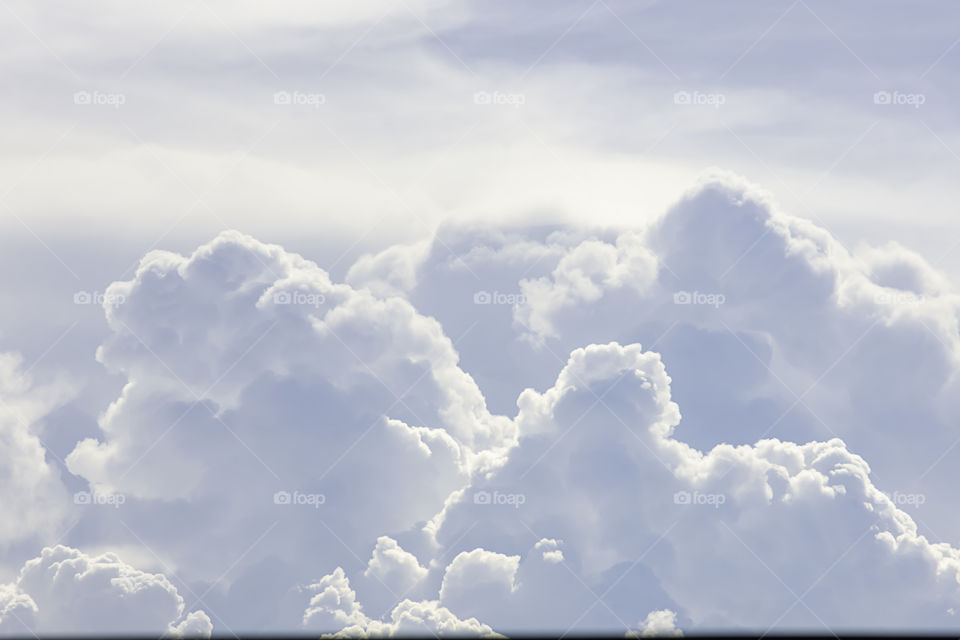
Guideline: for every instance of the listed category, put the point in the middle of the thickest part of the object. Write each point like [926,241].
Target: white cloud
[334,609]
[551,551]
[298,406]
[397,569]
[582,277]
[334,604]
[326,418]
[477,580]
[392,272]
[194,625]
[742,531]
[66,591]
[18,611]
[662,623]
[769,319]
[514,464]
[33,500]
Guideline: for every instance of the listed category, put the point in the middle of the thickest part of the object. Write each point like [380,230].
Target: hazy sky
[456,317]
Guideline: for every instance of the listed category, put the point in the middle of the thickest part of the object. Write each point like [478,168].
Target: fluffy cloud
[479,579]
[660,623]
[551,552]
[771,327]
[334,607]
[741,536]
[67,591]
[18,611]
[289,406]
[299,421]
[583,276]
[392,575]
[399,570]
[334,604]
[33,500]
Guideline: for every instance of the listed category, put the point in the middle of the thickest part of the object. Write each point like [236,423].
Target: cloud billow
[697,440]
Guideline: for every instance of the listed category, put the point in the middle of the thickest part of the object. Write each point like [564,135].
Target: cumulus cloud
[726,417]
[479,579]
[741,536]
[770,326]
[309,422]
[720,283]
[33,500]
[660,623]
[18,611]
[334,604]
[583,276]
[334,609]
[392,272]
[396,568]
[67,591]
[291,407]
[551,552]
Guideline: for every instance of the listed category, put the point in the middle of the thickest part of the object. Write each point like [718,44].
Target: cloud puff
[584,275]
[18,611]
[209,326]
[33,500]
[550,549]
[306,420]
[771,534]
[334,604]
[392,272]
[660,623]
[334,608]
[397,569]
[291,407]
[721,283]
[771,327]
[66,591]
[477,580]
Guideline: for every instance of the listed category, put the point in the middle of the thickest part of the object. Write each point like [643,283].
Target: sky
[443,317]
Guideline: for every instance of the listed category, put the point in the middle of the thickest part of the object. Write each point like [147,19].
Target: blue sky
[411,309]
